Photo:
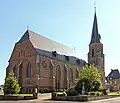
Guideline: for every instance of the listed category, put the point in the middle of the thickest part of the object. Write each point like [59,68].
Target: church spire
[95,38]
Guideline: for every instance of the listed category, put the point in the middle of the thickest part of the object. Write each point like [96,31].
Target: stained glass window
[28,72]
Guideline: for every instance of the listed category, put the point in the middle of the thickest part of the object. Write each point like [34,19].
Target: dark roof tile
[114,74]
[46,46]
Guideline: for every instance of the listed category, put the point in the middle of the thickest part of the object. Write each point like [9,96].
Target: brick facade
[45,67]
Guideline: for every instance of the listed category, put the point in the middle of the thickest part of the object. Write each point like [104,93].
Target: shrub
[60,94]
[45,90]
[64,92]
[104,92]
[11,85]
[71,92]
[87,93]
[97,94]
[92,93]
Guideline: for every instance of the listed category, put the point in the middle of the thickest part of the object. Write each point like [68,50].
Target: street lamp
[38,78]
[38,73]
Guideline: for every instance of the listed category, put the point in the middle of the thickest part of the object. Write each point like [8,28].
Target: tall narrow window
[24,52]
[77,72]
[58,77]
[28,72]
[14,70]
[70,74]
[20,69]
[19,54]
[92,52]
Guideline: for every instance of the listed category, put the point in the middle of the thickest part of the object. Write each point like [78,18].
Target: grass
[114,93]
[1,93]
[22,94]
[59,92]
[18,94]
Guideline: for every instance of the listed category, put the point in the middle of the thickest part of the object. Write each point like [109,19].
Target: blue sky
[66,21]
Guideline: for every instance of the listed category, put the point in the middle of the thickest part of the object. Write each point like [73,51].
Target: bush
[45,90]
[87,93]
[65,93]
[71,92]
[104,92]
[11,85]
[61,93]
[92,93]
[97,94]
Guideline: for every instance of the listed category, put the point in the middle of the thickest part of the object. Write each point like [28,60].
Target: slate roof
[72,59]
[95,37]
[114,74]
[49,47]
[44,43]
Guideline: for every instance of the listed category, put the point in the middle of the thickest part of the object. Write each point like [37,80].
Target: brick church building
[39,61]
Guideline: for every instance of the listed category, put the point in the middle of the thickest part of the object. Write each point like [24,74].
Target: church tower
[95,54]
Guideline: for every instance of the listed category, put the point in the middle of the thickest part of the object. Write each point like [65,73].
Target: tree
[91,79]
[11,85]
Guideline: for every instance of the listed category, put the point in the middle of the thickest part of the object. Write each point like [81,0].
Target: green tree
[91,78]
[11,85]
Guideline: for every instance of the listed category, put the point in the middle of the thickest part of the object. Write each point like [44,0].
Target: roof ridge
[40,34]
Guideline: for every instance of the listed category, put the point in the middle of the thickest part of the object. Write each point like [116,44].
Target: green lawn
[22,94]
[114,93]
[18,94]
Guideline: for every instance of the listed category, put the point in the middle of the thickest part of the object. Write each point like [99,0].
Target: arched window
[70,75]
[28,72]
[20,73]
[58,72]
[92,52]
[14,70]
[19,54]
[65,76]
[58,77]
[77,72]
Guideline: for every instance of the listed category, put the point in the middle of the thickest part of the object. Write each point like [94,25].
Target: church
[40,62]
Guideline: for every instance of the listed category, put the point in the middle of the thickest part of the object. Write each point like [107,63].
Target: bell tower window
[92,52]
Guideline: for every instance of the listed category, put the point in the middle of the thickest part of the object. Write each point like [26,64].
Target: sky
[66,21]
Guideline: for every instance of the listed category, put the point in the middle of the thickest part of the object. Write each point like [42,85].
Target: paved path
[112,100]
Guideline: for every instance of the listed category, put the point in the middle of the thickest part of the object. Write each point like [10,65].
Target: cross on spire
[27,27]
[95,37]
[95,5]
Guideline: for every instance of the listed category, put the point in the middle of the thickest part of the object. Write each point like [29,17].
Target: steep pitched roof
[46,46]
[114,74]
[44,43]
[95,37]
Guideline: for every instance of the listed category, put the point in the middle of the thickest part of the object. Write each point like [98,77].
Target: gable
[22,50]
